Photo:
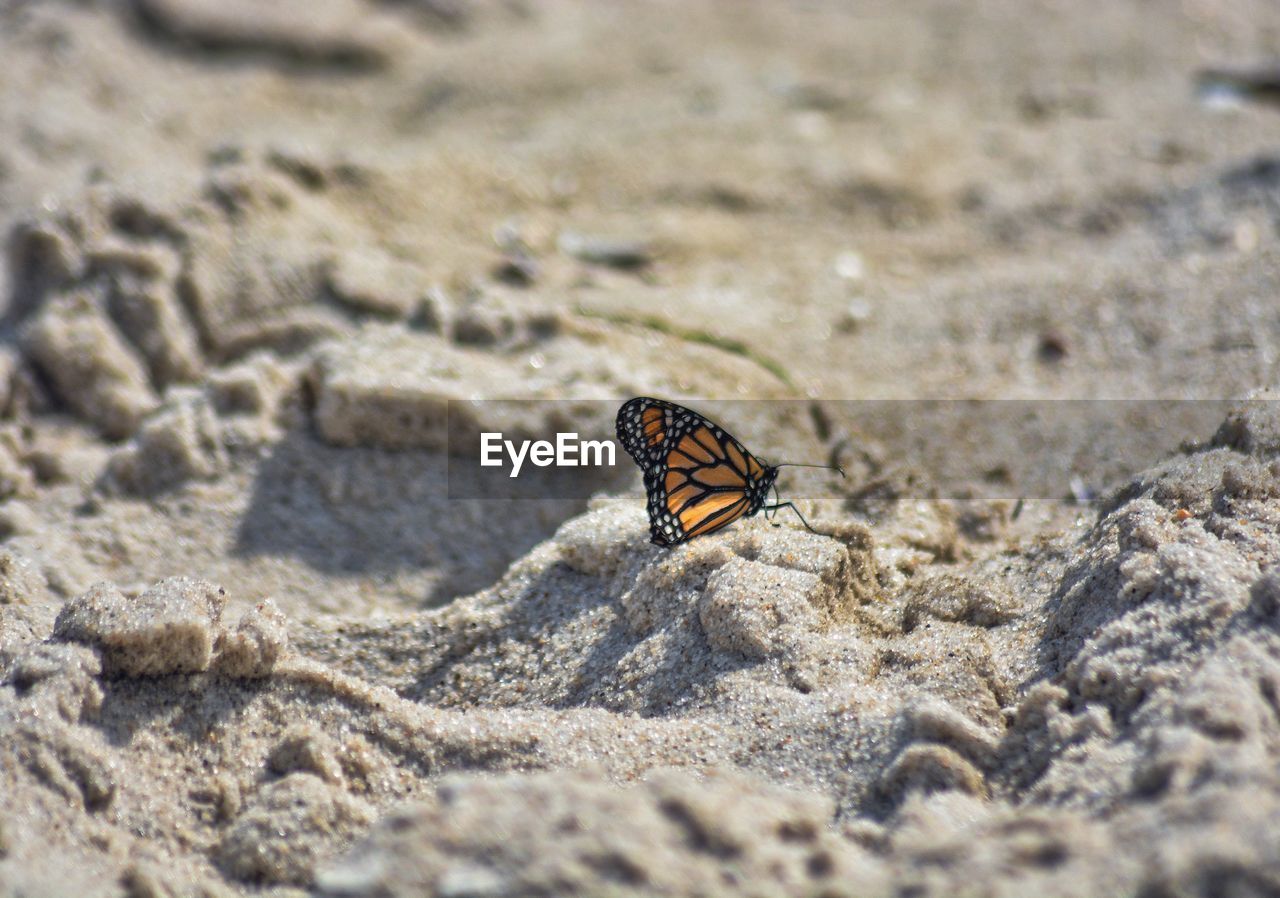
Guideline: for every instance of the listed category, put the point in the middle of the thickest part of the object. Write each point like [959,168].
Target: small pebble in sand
[619,253]
[850,266]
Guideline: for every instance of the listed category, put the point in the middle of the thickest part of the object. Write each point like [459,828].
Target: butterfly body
[697,476]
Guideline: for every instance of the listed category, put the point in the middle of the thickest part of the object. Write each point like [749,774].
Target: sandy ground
[249,644]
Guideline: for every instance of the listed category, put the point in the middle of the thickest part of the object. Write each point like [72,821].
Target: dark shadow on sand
[363,511]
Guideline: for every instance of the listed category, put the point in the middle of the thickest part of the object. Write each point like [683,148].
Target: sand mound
[931,735]
[673,834]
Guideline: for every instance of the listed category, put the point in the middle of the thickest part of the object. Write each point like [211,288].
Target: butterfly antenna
[795,464]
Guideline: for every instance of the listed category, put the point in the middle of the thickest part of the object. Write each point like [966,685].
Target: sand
[249,644]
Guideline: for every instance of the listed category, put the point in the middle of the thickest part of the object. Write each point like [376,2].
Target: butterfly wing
[698,478]
[643,425]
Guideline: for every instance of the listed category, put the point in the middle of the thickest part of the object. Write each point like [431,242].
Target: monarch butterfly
[698,477]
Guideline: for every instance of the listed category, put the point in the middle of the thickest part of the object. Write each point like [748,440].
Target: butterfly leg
[791,505]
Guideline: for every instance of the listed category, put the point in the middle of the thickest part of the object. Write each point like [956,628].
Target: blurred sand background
[248,645]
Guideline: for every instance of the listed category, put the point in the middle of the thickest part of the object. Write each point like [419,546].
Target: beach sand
[249,644]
